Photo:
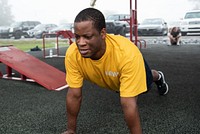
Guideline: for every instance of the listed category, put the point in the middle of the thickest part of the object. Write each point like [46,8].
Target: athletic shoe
[162,85]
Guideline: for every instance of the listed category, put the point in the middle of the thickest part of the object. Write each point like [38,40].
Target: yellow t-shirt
[121,68]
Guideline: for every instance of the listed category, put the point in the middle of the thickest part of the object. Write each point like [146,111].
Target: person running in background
[110,61]
[174,36]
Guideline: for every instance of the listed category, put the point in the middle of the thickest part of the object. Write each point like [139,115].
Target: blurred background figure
[174,36]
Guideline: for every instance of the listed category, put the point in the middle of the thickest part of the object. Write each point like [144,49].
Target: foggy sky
[196,3]
[60,11]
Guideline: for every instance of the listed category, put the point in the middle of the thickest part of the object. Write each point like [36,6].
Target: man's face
[90,42]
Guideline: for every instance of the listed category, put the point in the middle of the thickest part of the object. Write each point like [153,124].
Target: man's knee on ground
[155,75]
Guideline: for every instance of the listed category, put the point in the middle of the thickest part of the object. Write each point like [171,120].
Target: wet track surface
[28,108]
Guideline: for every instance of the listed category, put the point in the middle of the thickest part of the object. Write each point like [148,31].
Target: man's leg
[174,42]
[178,41]
[1,75]
[149,76]
[158,78]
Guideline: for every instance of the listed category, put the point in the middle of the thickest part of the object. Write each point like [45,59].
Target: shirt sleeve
[73,76]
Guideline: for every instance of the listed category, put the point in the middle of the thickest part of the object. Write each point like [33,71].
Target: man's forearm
[73,104]
[130,109]
[134,124]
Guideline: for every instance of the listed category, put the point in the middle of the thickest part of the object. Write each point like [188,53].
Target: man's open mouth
[84,51]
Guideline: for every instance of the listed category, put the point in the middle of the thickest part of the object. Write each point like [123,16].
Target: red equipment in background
[134,23]
[30,69]
[65,34]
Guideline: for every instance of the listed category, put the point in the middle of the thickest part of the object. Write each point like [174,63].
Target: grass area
[27,44]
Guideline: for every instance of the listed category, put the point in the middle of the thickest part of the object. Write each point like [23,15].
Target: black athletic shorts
[149,76]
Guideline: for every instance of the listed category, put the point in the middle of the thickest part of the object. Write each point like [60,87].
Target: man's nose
[81,41]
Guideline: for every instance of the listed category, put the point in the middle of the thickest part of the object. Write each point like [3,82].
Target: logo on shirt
[110,73]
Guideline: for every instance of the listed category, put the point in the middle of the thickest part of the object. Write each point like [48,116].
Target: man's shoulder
[123,47]
[72,49]
[118,41]
[116,37]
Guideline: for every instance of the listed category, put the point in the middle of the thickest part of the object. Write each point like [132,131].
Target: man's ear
[103,33]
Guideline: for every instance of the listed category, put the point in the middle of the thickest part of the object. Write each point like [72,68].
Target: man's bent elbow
[74,93]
